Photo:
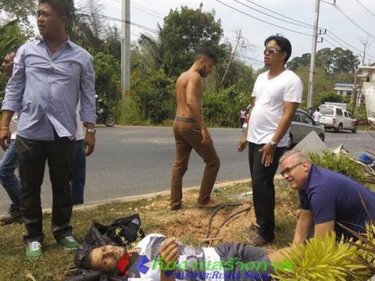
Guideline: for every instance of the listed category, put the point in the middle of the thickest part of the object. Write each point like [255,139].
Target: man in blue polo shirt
[327,198]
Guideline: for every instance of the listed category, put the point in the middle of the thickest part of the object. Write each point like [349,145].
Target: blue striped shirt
[45,89]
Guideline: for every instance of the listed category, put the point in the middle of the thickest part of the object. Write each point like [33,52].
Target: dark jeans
[32,156]
[79,173]
[8,179]
[264,189]
[188,136]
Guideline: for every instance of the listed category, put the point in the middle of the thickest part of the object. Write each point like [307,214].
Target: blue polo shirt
[332,196]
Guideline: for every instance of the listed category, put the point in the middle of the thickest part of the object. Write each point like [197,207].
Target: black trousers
[32,156]
[264,189]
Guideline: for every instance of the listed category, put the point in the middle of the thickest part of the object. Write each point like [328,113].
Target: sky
[349,23]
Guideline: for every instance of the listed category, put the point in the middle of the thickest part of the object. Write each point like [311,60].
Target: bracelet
[4,128]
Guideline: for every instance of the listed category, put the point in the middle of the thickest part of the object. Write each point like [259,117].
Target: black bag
[121,232]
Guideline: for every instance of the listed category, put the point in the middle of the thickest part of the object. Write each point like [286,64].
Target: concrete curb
[94,204]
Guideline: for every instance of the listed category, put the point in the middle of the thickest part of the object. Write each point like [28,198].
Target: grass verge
[189,225]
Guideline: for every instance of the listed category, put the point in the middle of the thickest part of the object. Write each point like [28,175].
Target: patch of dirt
[190,224]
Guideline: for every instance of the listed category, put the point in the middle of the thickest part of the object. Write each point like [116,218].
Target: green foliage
[239,74]
[183,32]
[155,93]
[322,259]
[366,247]
[20,9]
[334,61]
[339,163]
[11,37]
[127,110]
[329,96]
[107,77]
[223,108]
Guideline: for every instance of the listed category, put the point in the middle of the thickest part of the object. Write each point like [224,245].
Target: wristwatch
[92,131]
[273,143]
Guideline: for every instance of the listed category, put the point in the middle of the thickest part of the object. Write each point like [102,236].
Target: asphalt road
[138,160]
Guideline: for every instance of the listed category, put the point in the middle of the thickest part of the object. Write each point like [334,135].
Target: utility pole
[313,52]
[125,46]
[231,58]
[364,52]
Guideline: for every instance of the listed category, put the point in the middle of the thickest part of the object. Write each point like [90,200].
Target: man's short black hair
[62,7]
[207,53]
[283,43]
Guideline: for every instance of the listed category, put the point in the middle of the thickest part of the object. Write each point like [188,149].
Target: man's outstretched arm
[303,226]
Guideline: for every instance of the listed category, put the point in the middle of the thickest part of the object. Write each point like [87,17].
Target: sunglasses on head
[271,50]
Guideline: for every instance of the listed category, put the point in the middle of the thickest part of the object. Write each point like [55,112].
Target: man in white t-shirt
[276,96]
[317,115]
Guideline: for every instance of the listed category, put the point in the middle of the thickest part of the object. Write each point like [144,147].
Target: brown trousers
[187,134]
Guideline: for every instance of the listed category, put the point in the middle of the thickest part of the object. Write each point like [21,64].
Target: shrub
[339,163]
[322,259]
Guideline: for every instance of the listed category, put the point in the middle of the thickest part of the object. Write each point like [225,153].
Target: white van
[337,118]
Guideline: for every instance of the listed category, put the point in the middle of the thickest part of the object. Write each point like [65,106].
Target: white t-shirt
[316,116]
[188,258]
[269,97]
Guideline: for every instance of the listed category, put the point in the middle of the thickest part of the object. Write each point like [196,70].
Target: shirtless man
[190,131]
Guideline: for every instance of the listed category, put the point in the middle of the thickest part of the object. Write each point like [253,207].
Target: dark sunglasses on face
[289,169]
[271,50]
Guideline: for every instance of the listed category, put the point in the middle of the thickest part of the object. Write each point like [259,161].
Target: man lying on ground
[160,258]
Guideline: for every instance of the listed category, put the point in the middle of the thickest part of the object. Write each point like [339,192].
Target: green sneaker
[34,250]
[69,243]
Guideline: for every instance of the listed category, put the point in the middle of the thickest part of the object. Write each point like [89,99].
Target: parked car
[337,118]
[302,125]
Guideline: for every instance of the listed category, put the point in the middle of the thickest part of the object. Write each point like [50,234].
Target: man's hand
[169,250]
[206,136]
[242,144]
[5,137]
[268,153]
[89,143]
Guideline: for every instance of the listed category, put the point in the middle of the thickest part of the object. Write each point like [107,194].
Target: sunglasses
[289,169]
[271,51]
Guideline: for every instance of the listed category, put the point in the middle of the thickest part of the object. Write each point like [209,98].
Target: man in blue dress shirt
[50,75]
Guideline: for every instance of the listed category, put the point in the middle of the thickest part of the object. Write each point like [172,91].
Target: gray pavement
[136,160]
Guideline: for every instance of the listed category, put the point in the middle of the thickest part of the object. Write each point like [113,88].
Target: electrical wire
[130,22]
[146,12]
[336,38]
[301,22]
[353,22]
[277,18]
[251,16]
[364,7]
[148,9]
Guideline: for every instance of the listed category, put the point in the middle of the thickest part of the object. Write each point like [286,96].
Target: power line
[301,22]
[364,7]
[353,22]
[120,20]
[330,43]
[146,12]
[251,16]
[143,9]
[148,9]
[335,38]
